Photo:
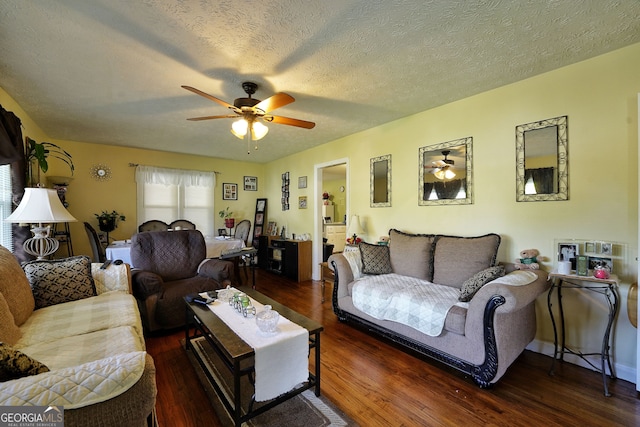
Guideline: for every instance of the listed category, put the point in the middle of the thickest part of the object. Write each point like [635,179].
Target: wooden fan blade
[289,121]
[210,97]
[228,116]
[276,101]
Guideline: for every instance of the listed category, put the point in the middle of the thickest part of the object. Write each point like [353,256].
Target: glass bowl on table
[267,321]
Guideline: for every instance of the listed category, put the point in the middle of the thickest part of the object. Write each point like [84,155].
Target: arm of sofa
[516,296]
[145,283]
[112,278]
[343,273]
[221,271]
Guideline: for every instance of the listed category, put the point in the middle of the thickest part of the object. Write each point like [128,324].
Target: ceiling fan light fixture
[258,131]
[239,128]
[444,173]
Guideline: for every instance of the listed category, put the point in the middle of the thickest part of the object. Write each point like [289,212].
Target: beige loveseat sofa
[71,336]
[410,293]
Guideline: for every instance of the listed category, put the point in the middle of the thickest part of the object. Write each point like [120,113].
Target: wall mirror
[380,181]
[542,171]
[446,173]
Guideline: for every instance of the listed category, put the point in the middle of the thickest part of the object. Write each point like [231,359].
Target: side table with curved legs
[606,287]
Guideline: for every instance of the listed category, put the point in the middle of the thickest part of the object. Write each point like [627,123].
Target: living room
[599,97]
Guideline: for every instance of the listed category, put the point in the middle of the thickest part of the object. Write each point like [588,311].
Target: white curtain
[180,177]
[170,194]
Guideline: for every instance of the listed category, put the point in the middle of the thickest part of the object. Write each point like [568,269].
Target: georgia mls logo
[31,416]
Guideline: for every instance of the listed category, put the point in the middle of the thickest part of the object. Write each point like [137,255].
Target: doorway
[330,173]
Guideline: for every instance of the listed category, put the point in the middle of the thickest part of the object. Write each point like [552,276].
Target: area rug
[305,409]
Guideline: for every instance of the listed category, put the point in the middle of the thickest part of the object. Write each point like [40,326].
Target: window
[6,239]
[170,194]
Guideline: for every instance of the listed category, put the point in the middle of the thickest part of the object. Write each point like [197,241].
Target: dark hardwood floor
[378,384]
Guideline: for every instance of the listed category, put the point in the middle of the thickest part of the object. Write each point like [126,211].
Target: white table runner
[281,360]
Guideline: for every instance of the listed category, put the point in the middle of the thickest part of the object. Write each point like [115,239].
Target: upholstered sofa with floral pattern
[71,336]
[445,297]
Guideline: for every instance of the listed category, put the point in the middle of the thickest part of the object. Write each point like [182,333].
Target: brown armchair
[170,265]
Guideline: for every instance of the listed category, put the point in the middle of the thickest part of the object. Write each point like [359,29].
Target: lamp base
[41,245]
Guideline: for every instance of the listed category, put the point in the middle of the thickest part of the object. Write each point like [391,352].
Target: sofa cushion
[375,259]
[9,331]
[411,254]
[478,280]
[456,259]
[59,281]
[15,287]
[15,364]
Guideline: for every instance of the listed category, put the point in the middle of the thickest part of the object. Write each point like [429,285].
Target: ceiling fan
[250,111]
[442,168]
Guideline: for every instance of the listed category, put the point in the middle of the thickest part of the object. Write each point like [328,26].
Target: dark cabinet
[291,258]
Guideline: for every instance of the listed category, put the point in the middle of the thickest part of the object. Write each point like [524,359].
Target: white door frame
[317,214]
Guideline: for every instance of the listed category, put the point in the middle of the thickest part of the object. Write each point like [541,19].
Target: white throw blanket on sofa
[413,302]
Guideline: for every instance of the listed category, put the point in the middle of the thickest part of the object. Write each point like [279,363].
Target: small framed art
[302,182]
[250,183]
[229,191]
[302,202]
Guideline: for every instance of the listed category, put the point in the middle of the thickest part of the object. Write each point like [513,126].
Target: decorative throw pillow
[15,287]
[9,332]
[375,259]
[58,281]
[15,364]
[473,284]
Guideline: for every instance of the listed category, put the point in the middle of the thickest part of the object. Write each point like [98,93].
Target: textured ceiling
[110,71]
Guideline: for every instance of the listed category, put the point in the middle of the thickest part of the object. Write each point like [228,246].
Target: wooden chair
[242,232]
[153,225]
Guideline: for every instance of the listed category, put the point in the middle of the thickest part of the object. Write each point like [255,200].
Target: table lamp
[355,228]
[40,206]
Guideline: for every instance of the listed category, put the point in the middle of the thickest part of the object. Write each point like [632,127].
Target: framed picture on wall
[302,202]
[229,191]
[302,182]
[250,183]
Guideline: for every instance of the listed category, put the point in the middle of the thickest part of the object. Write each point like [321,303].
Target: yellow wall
[599,97]
[87,196]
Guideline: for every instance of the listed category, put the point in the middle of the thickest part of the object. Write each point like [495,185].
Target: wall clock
[101,172]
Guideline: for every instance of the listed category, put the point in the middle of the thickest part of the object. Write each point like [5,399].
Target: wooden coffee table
[228,362]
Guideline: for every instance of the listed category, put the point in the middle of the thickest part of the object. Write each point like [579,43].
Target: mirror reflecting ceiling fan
[250,112]
[442,169]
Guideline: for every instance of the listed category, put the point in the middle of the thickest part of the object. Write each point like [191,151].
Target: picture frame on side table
[229,191]
[582,265]
[597,260]
[606,248]
[568,252]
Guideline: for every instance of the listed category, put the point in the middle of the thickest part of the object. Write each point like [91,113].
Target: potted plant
[37,154]
[108,221]
[226,215]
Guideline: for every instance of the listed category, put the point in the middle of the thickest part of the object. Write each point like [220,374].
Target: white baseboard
[627,373]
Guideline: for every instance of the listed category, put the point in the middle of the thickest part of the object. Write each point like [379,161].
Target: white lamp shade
[239,128]
[445,173]
[259,131]
[354,226]
[40,205]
